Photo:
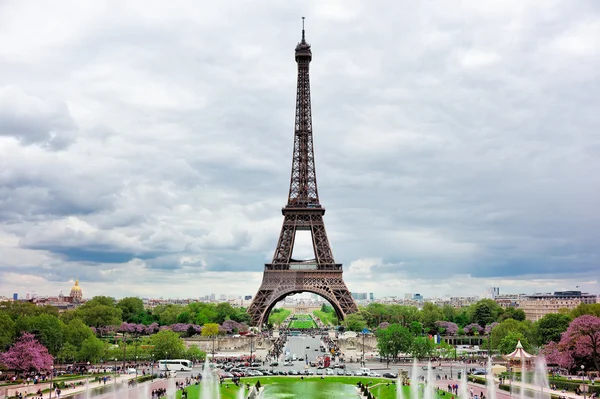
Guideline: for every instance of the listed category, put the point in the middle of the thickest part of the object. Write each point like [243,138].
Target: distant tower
[76,293]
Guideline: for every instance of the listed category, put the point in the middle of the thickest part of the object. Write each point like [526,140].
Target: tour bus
[175,365]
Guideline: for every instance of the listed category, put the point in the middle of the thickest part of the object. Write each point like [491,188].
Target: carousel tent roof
[519,353]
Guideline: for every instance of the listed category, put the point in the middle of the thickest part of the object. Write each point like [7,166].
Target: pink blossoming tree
[27,354]
[582,339]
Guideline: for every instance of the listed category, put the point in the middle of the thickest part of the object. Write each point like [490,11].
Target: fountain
[399,390]
[171,388]
[522,387]
[414,381]
[490,383]
[540,379]
[87,388]
[463,392]
[210,385]
[115,387]
[429,392]
[240,394]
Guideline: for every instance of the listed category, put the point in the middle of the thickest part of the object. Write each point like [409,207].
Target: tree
[582,339]
[68,353]
[355,322]
[430,314]
[167,345]
[550,328]
[100,312]
[210,330]
[48,329]
[416,328]
[7,331]
[195,354]
[512,313]
[422,347]
[485,312]
[394,339]
[92,349]
[556,356]
[132,309]
[27,354]
[511,325]
[582,309]
[76,332]
[509,342]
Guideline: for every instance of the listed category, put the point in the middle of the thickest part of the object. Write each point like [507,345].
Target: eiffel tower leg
[277,284]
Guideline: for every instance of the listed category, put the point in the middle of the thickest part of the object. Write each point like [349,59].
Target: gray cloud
[450,142]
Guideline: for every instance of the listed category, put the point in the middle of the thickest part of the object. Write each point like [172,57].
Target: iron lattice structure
[285,276]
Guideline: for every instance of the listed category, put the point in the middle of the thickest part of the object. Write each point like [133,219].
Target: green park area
[278,316]
[302,321]
[311,387]
[327,315]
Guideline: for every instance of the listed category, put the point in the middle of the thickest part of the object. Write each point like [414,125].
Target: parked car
[274,364]
[389,375]
[373,374]
[288,363]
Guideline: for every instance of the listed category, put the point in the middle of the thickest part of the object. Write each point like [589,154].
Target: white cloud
[149,146]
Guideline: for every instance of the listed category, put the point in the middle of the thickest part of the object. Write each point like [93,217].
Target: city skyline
[147,152]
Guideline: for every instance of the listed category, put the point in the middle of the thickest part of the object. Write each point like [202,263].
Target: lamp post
[51,380]
[583,386]
[362,362]
[251,346]
[115,371]
[136,360]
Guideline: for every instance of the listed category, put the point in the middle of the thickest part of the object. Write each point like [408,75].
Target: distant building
[494,292]
[248,298]
[359,296]
[15,296]
[537,306]
[371,296]
[417,297]
[408,296]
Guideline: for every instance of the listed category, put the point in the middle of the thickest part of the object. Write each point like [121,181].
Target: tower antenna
[303,29]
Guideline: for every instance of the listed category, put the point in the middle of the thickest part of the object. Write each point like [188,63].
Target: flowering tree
[490,327]
[27,354]
[447,327]
[473,329]
[554,355]
[582,339]
[383,325]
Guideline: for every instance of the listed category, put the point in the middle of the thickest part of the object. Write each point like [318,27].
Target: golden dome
[76,287]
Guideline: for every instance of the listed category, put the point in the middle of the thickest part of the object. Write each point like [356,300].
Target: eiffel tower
[286,276]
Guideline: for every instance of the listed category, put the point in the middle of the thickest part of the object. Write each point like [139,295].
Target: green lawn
[329,319]
[332,387]
[302,321]
[278,317]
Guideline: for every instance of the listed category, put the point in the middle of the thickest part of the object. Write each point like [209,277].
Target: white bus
[175,365]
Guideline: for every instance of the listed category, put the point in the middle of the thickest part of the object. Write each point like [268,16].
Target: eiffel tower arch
[284,275]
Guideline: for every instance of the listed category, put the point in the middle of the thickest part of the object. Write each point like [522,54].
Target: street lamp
[115,371]
[136,360]
[583,386]
[51,380]
[362,362]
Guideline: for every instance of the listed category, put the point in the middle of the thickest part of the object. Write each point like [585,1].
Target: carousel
[519,358]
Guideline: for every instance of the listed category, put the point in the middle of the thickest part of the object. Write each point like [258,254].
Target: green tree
[76,332]
[525,328]
[550,327]
[416,328]
[355,322]
[509,342]
[393,340]
[210,330]
[92,349]
[224,312]
[17,309]
[462,318]
[195,354]
[586,308]
[67,354]
[100,311]
[422,347]
[430,313]
[48,329]
[484,312]
[132,309]
[512,313]
[167,345]
[7,331]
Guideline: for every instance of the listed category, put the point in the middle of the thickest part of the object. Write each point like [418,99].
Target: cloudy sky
[145,146]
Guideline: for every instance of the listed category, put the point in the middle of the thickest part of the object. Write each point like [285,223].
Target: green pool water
[309,389]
